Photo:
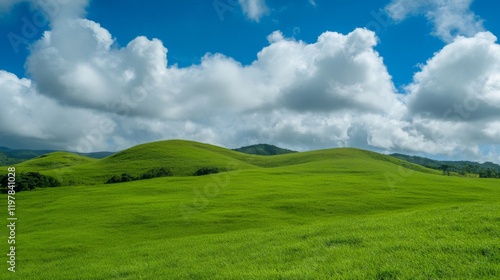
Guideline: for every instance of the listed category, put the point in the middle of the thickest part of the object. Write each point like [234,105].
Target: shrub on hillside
[30,181]
[121,178]
[207,170]
[157,172]
[152,173]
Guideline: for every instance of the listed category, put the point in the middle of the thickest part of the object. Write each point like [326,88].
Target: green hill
[185,158]
[9,157]
[330,214]
[263,150]
[55,160]
[14,156]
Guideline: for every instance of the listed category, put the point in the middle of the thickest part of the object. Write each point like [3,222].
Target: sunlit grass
[341,214]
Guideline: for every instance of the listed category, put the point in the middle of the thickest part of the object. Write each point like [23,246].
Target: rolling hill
[329,214]
[55,160]
[14,156]
[184,158]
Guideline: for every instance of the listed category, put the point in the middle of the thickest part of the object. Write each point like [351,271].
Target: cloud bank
[86,94]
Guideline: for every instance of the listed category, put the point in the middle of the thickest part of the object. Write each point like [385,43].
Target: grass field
[332,214]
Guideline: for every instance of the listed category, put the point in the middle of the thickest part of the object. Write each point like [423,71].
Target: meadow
[330,214]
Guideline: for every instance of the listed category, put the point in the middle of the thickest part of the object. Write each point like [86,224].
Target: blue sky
[401,65]
[190,29]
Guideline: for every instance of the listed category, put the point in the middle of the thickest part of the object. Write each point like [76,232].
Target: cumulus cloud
[337,72]
[449,17]
[76,65]
[88,94]
[26,115]
[454,99]
[254,9]
[461,82]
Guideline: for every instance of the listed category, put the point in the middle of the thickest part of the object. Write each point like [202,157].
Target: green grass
[332,214]
[56,160]
[184,158]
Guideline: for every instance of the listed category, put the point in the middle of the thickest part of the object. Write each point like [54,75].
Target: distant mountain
[13,156]
[487,169]
[263,150]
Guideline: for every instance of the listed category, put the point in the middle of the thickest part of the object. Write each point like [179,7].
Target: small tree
[446,169]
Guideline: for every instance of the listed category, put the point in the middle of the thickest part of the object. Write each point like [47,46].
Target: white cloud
[339,72]
[276,36]
[335,73]
[254,9]
[313,2]
[29,117]
[461,82]
[454,99]
[449,17]
[492,130]
[87,94]
[75,65]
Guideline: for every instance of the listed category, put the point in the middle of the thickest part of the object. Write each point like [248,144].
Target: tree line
[482,172]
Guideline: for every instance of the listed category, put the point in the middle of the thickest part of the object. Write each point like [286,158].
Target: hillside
[330,214]
[182,158]
[185,158]
[485,170]
[8,156]
[14,156]
[55,160]
[263,150]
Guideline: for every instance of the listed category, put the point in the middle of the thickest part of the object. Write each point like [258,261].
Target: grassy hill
[11,157]
[14,156]
[331,214]
[184,158]
[55,160]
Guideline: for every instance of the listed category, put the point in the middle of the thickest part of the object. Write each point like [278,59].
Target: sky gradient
[418,77]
